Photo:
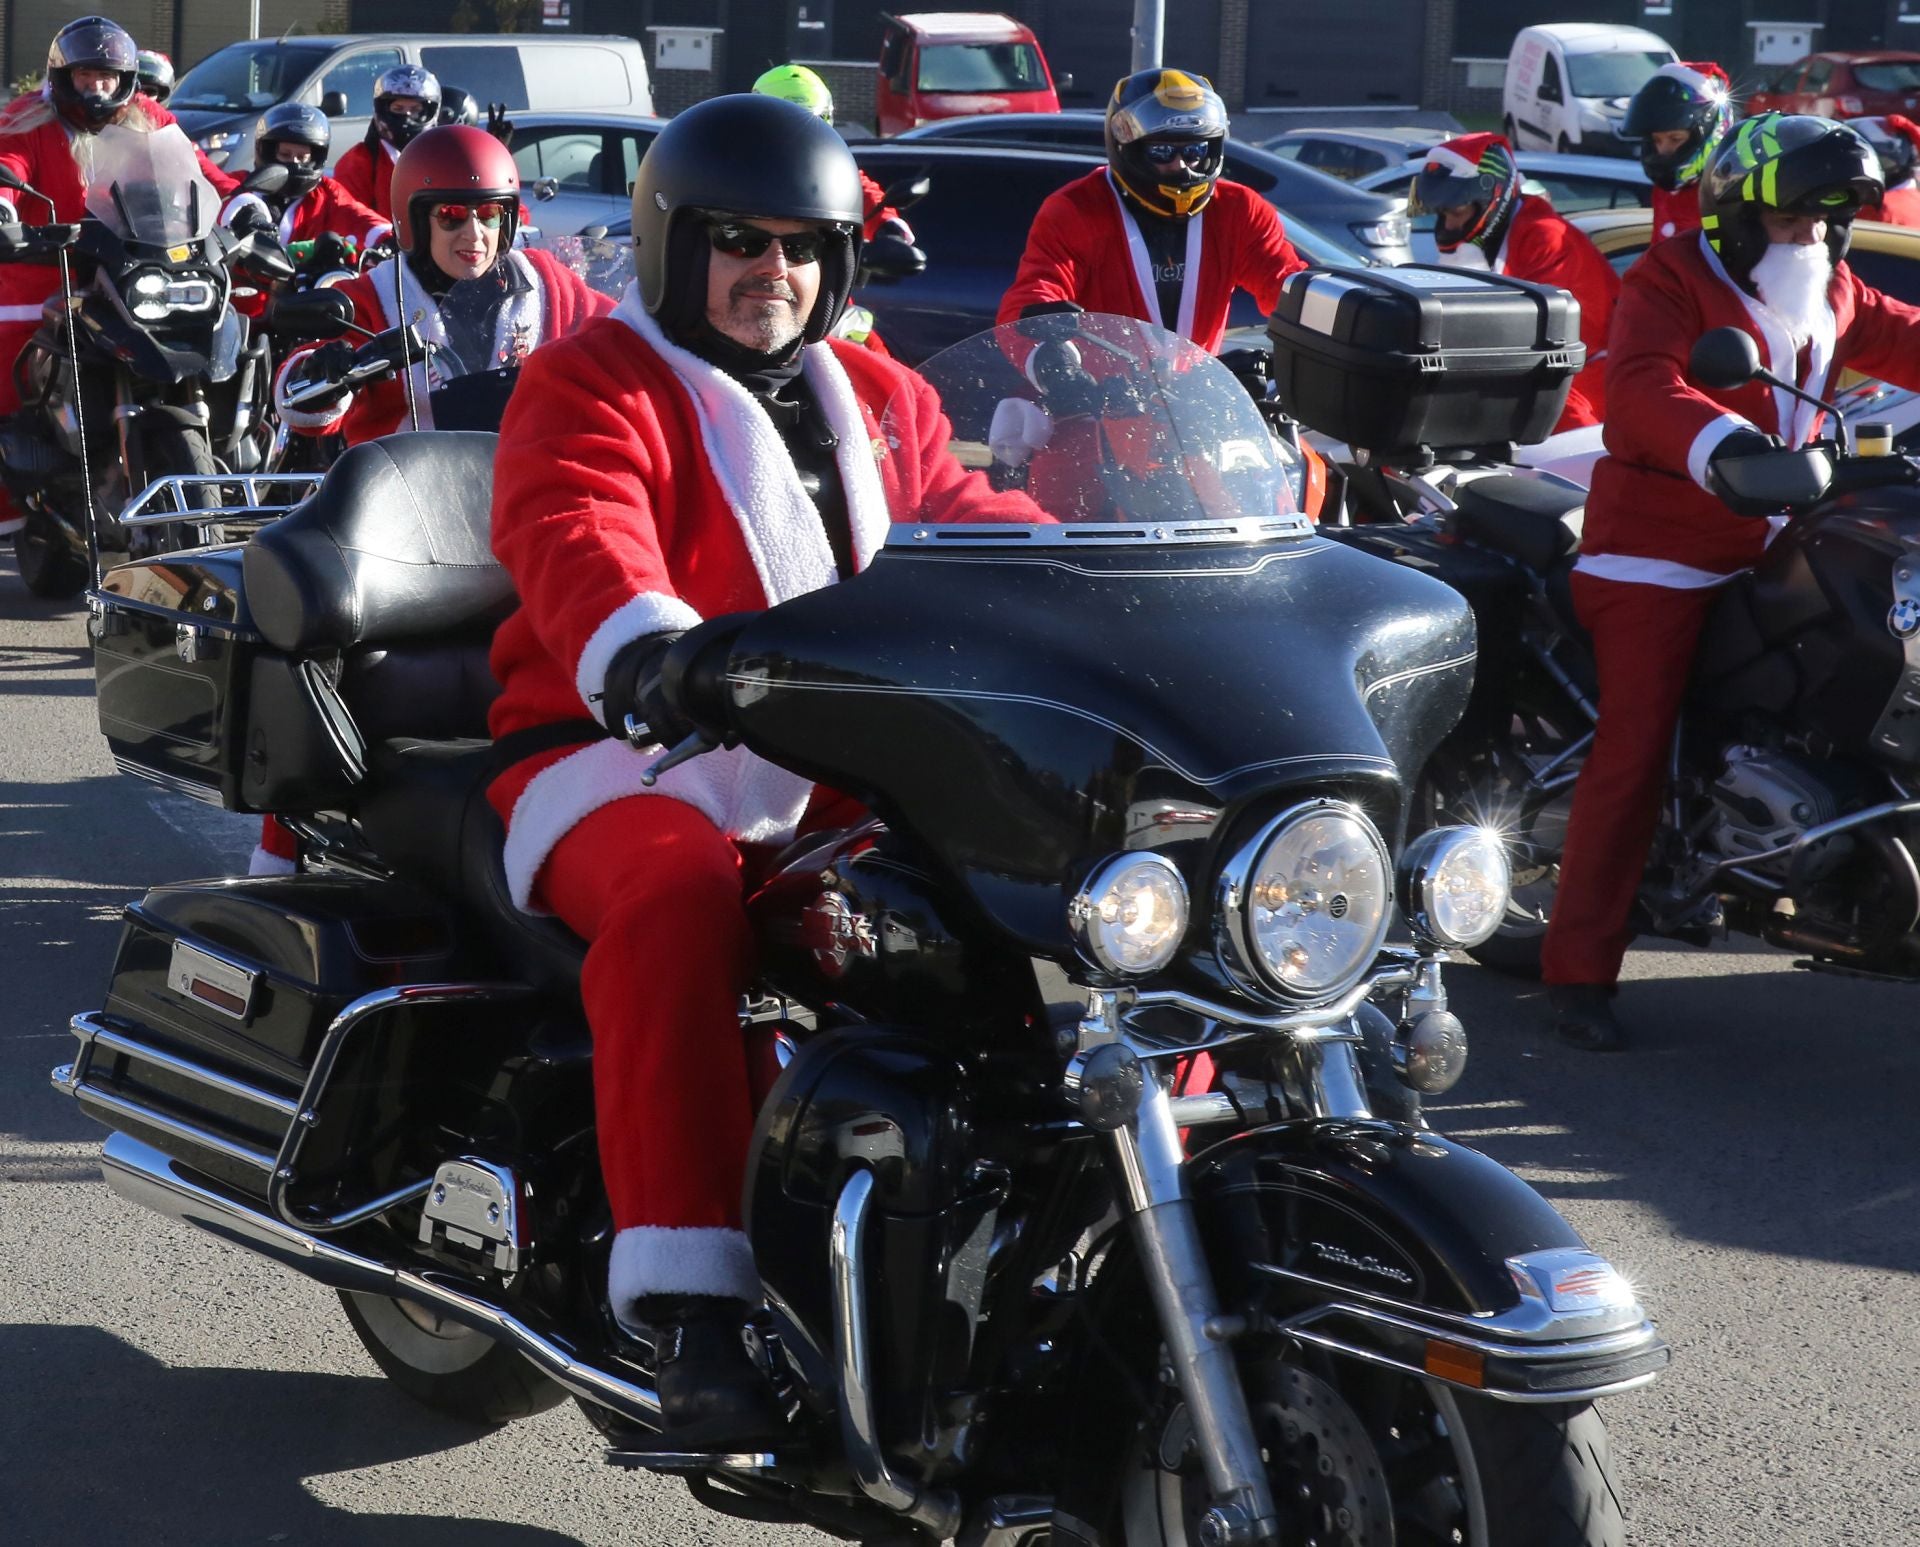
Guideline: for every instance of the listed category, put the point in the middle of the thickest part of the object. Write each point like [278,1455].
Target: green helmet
[797,84]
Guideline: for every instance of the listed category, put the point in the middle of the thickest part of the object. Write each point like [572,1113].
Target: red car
[953,64]
[1843,85]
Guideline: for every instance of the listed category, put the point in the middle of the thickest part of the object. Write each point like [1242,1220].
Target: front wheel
[177,450]
[446,1366]
[1359,1456]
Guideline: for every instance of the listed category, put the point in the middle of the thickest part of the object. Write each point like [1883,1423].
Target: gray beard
[1792,280]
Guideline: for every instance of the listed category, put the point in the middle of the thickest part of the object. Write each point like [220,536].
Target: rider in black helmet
[93,71]
[156,74]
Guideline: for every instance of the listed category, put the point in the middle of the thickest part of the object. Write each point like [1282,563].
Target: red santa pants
[658,893]
[1643,641]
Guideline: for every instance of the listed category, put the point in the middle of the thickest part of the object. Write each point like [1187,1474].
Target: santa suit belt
[518,746]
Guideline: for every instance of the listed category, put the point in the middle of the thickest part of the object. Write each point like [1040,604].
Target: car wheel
[1564,146]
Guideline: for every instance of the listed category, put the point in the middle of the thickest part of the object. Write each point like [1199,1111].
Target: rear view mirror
[908,192]
[313,314]
[268,179]
[545,188]
[888,257]
[1063,82]
[1724,359]
[334,104]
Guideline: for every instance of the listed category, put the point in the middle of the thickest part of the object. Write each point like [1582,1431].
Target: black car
[972,222]
[1371,226]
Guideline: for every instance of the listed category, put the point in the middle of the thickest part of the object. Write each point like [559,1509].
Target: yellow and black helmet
[1166,136]
[1793,163]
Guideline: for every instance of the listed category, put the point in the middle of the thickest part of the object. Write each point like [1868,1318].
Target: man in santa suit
[700,452]
[91,84]
[406,103]
[1157,234]
[1896,141]
[311,205]
[1678,117]
[1663,533]
[1483,220]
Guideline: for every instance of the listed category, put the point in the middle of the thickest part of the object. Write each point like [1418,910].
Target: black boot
[712,1395]
[1583,1016]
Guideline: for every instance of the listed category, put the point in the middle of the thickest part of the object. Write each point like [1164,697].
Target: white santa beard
[1792,279]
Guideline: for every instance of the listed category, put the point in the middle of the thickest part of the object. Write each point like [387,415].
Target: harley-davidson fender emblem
[1340,1257]
[834,933]
[1903,618]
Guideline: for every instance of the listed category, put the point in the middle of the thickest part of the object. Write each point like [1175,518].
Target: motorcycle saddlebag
[1421,358]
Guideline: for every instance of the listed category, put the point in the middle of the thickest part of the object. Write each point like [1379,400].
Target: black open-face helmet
[401,82]
[92,43]
[294,123]
[458,107]
[738,157]
[1791,162]
[1679,97]
[1166,139]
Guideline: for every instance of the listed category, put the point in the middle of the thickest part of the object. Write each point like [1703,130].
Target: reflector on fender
[1449,1361]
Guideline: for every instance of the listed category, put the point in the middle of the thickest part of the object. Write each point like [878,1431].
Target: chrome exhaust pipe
[142,1174]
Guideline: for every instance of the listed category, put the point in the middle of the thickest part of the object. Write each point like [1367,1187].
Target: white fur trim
[1644,571]
[261,863]
[694,1260]
[746,797]
[310,419]
[524,315]
[1143,266]
[651,612]
[1700,453]
[1452,160]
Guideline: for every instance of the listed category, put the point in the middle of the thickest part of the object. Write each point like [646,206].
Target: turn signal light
[1449,1361]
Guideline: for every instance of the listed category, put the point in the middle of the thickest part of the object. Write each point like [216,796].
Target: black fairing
[1374,1207]
[897,1104]
[1804,639]
[1021,711]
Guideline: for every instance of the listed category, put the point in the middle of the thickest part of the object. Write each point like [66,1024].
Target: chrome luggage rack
[222,506]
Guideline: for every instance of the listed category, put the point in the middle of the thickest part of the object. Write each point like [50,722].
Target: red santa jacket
[1649,516]
[1900,207]
[1541,246]
[366,171]
[1675,210]
[325,207]
[1086,248]
[638,489]
[556,304]
[36,144]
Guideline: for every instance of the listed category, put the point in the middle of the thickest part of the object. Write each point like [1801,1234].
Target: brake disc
[1328,1482]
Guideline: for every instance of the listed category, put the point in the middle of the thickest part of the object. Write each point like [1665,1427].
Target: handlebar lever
[694,746]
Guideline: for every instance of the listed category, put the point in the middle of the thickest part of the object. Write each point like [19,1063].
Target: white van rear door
[580,76]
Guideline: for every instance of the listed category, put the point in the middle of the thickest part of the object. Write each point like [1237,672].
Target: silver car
[577,169]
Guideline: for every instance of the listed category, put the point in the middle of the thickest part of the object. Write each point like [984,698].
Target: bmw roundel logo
[1903,618]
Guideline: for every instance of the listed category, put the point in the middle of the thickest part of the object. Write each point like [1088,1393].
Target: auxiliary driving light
[1454,885]
[1130,916]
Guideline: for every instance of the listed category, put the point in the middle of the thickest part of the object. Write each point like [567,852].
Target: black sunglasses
[1193,153]
[739,240]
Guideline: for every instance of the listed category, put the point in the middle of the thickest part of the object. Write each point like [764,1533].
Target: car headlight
[1454,885]
[1387,231]
[1129,917]
[224,139]
[1304,906]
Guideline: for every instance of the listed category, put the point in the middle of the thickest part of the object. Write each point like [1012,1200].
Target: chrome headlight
[1304,906]
[1454,885]
[1129,917]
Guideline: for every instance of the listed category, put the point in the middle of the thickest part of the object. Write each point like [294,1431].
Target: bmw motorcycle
[1089,1189]
[1793,812]
[141,370]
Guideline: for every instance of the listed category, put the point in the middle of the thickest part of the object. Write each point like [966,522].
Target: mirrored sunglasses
[1192,153]
[451,217]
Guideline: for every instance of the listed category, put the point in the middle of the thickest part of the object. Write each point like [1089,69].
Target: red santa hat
[1466,155]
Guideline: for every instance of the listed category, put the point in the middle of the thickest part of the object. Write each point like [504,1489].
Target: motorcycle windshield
[147,186]
[601,262]
[1142,646]
[1113,427]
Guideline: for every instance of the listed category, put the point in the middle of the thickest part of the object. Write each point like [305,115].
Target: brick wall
[854,84]
[1231,81]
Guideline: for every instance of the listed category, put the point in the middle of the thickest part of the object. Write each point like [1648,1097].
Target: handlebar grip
[694,675]
[1853,475]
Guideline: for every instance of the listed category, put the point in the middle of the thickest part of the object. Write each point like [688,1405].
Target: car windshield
[1104,423]
[243,76]
[1612,75]
[148,187]
[1888,75]
[981,67]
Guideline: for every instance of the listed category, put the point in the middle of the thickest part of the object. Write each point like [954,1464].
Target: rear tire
[446,1366]
[48,567]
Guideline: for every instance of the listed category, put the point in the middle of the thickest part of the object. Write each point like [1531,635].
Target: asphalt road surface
[1751,1163]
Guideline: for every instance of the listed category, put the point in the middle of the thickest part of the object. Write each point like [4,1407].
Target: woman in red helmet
[480,303]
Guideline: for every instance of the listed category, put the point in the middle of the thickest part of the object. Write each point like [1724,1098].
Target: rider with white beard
[1663,533]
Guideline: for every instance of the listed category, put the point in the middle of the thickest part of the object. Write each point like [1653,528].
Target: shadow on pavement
[207,1456]
[1759,1107]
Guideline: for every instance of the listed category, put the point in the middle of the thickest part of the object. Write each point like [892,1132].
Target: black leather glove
[1741,443]
[1065,383]
[332,251]
[250,220]
[330,362]
[499,125]
[1051,309]
[633,688]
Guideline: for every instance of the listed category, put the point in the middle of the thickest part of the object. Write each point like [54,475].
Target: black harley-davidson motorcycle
[1078,1210]
[1794,805]
[167,381]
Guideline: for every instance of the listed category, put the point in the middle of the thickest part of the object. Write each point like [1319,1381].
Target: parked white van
[1568,85]
[219,101]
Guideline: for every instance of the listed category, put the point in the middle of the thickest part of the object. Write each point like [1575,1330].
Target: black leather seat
[1530,519]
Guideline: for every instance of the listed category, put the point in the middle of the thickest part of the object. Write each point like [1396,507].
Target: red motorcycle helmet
[453,164]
